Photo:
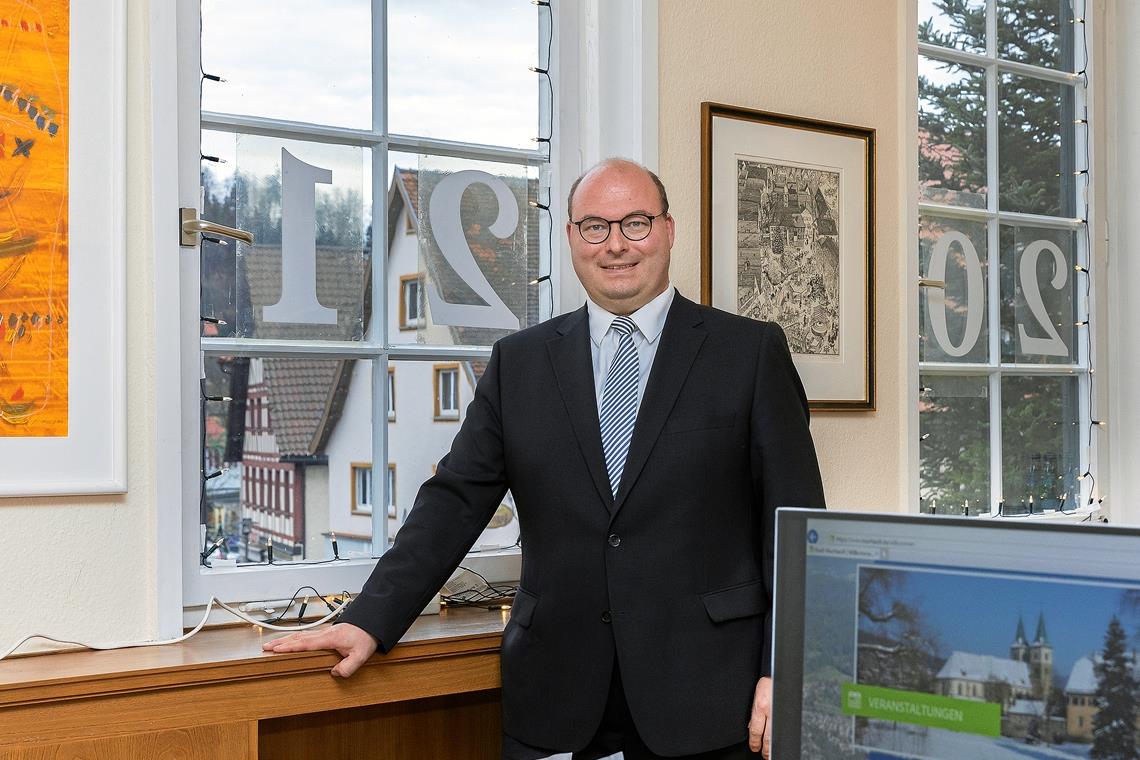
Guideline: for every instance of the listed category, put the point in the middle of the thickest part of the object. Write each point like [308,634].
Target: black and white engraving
[787,251]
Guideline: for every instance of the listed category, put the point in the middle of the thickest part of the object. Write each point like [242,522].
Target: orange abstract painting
[33,218]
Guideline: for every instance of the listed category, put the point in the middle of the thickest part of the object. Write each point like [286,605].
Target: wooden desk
[435,695]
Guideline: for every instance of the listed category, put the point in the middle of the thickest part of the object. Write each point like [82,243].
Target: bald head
[620,164]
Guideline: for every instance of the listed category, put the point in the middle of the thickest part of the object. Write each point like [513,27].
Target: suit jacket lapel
[574,372]
[680,341]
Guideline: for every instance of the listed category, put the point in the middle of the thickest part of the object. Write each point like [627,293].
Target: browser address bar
[1100,561]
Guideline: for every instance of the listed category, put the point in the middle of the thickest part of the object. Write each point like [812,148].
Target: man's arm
[785,473]
[450,511]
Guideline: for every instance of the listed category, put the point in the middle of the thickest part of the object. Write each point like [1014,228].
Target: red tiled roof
[306,397]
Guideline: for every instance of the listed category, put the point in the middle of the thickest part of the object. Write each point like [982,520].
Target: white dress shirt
[650,321]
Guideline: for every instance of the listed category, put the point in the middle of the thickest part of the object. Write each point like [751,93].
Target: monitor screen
[933,637]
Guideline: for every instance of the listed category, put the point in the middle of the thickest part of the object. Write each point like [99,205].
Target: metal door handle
[924,282]
[191,226]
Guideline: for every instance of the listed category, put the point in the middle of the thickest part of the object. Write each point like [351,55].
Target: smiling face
[619,274]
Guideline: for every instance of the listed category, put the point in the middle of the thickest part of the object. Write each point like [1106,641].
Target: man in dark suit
[647,441]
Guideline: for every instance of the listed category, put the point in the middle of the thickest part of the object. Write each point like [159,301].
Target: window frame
[198,583]
[1085,253]
[594,119]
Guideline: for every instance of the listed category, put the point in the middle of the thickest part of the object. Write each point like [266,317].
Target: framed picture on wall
[62,248]
[787,235]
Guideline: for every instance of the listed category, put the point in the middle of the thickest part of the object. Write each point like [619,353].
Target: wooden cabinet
[219,696]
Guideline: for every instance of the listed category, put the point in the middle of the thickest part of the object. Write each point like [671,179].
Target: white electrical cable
[183,637]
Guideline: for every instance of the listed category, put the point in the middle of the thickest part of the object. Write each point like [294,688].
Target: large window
[330,133]
[1003,246]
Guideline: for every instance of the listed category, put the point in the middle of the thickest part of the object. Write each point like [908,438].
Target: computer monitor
[936,637]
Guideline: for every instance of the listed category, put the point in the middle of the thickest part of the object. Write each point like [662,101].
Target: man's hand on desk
[354,644]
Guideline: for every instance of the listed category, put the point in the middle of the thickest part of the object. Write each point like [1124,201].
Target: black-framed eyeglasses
[595,229]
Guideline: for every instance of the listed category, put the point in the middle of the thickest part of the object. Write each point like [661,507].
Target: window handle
[926,282]
[191,226]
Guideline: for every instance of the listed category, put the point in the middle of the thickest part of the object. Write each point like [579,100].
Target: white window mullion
[993,285]
[288,130]
[991,29]
[379,450]
[380,253]
[996,490]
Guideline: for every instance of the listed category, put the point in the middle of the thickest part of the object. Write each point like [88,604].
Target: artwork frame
[788,235]
[89,457]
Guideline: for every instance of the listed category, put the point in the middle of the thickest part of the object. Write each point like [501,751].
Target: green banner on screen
[922,709]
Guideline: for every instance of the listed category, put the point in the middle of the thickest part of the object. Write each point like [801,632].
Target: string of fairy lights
[1085,270]
[545,72]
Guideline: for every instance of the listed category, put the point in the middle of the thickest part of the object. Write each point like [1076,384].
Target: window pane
[1040,439]
[417,441]
[1036,147]
[459,70]
[289,59]
[954,445]
[325,230]
[953,323]
[461,251]
[289,438]
[957,24]
[1039,32]
[1038,286]
[951,133]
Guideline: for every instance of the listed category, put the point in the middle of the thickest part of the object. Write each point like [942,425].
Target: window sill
[497,564]
[222,676]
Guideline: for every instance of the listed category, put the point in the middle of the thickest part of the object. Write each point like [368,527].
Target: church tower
[1041,661]
[1019,649]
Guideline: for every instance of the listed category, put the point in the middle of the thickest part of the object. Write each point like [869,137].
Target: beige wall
[85,567]
[836,60]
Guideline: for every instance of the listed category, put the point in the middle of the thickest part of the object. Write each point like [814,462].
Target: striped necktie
[619,401]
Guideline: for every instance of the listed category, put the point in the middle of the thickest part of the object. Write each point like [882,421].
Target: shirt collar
[650,318]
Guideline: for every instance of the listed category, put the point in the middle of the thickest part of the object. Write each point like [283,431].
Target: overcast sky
[458,68]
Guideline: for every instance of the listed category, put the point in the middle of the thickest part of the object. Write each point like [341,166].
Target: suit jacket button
[607,617]
[615,540]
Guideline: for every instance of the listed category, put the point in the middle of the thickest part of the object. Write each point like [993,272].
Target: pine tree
[1114,727]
